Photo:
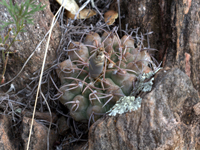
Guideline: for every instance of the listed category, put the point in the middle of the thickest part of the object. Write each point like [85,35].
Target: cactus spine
[99,72]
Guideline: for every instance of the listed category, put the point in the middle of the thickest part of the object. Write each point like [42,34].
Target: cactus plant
[98,72]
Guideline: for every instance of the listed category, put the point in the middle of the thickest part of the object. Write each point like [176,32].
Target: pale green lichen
[131,103]
[125,104]
[141,85]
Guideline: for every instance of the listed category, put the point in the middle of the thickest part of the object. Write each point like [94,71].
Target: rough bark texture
[166,119]
[169,116]
[176,31]
[28,43]
[144,14]
[184,47]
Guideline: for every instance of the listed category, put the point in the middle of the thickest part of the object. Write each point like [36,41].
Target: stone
[197,109]
[39,135]
[41,116]
[166,119]
[27,43]
[7,141]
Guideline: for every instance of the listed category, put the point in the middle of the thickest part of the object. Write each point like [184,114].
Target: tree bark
[176,31]
[183,49]
[166,119]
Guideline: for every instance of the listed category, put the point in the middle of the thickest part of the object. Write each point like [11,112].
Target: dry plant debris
[84,14]
[69,5]
[110,17]
[73,9]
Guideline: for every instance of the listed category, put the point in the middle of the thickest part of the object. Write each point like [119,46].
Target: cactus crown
[100,71]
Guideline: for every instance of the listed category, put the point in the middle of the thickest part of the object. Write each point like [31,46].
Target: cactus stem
[96,63]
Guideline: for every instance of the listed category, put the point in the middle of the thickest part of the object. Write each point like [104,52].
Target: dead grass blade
[41,74]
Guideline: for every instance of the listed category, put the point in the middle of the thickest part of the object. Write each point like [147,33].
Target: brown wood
[176,27]
[165,121]
[176,31]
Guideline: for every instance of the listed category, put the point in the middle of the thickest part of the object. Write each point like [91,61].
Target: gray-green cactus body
[99,72]
[96,64]
[66,69]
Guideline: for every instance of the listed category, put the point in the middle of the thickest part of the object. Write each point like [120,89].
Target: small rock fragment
[6,138]
[197,108]
[39,135]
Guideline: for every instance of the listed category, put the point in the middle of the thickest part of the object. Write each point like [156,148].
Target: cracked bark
[167,118]
[176,30]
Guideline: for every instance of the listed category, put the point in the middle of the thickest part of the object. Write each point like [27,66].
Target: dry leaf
[69,5]
[110,16]
[84,14]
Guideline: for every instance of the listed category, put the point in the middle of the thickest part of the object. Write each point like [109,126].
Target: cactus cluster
[98,72]
[131,103]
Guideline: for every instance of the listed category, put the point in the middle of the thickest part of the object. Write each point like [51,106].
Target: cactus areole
[100,71]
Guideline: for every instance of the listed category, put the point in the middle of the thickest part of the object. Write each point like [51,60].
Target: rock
[28,43]
[197,109]
[39,135]
[76,146]
[6,135]
[166,119]
[41,116]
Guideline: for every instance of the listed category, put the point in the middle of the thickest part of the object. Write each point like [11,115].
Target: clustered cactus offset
[98,72]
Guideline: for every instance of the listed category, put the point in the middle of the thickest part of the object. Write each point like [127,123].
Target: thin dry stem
[42,70]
